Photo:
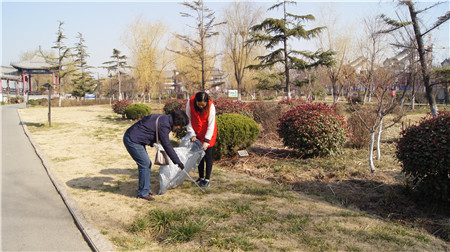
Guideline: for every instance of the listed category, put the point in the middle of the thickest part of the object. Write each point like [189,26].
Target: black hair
[201,97]
[179,118]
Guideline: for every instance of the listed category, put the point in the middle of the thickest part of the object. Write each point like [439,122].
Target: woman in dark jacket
[143,133]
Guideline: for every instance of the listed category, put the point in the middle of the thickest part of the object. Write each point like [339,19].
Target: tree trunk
[413,95]
[421,50]
[380,129]
[372,140]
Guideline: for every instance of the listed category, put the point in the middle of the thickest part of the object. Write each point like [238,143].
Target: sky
[26,25]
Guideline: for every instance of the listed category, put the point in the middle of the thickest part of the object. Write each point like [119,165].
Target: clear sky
[26,25]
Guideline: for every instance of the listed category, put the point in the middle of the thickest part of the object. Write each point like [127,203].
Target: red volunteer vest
[200,123]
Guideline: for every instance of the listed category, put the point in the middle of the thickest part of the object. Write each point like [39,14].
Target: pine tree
[117,64]
[63,55]
[275,35]
[83,82]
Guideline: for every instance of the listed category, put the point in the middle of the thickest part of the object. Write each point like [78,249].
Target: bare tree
[372,49]
[205,29]
[340,43]
[418,35]
[384,80]
[146,41]
[240,16]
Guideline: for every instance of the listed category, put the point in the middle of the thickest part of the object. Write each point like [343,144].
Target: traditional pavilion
[11,76]
[36,65]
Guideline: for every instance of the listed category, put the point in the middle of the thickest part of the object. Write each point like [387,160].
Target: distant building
[11,82]
[445,63]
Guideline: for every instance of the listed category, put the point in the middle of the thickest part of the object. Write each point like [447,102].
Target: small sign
[243,153]
[232,93]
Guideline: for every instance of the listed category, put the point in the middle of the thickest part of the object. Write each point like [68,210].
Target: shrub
[137,111]
[267,114]
[360,135]
[235,132]
[173,105]
[119,107]
[14,100]
[314,129]
[291,102]
[227,106]
[33,102]
[424,151]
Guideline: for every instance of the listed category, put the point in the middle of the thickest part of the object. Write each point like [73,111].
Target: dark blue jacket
[144,132]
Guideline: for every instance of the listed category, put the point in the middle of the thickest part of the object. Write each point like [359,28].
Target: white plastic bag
[190,154]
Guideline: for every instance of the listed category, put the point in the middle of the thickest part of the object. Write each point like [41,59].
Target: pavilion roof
[38,62]
[9,73]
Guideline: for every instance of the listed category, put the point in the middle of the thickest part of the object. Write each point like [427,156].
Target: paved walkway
[33,214]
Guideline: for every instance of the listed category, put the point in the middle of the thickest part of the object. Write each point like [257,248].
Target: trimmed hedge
[174,105]
[137,111]
[424,151]
[313,129]
[119,107]
[227,106]
[235,132]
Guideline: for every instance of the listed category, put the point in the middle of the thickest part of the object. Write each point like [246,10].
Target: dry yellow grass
[85,149]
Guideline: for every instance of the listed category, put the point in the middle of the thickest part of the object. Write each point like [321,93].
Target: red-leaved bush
[291,102]
[424,151]
[119,107]
[227,106]
[313,129]
[174,105]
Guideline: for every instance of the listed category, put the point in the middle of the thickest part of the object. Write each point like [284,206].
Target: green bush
[235,132]
[313,129]
[424,151]
[174,105]
[137,111]
[119,107]
[33,102]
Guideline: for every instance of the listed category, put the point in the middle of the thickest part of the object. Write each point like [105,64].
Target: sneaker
[199,181]
[205,184]
[148,197]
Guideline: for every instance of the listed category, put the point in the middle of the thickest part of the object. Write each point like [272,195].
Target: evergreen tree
[117,64]
[83,81]
[62,58]
[274,33]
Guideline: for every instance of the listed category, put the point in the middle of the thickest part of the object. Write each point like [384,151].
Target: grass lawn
[269,201]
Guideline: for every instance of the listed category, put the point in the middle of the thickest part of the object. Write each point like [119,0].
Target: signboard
[89,96]
[232,93]
[243,153]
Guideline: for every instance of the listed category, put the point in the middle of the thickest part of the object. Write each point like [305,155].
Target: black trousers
[208,159]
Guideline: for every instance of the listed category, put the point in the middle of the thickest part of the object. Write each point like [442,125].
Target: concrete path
[33,214]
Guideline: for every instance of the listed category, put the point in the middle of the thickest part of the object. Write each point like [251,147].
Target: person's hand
[205,146]
[181,165]
[193,139]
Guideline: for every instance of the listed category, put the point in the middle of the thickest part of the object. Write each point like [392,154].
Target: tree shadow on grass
[391,202]
[122,181]
[32,124]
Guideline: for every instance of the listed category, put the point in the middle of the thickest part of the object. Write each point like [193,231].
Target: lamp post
[47,85]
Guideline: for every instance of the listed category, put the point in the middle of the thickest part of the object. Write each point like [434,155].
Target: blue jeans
[139,154]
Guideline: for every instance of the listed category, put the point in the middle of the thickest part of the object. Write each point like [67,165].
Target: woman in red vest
[202,125]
